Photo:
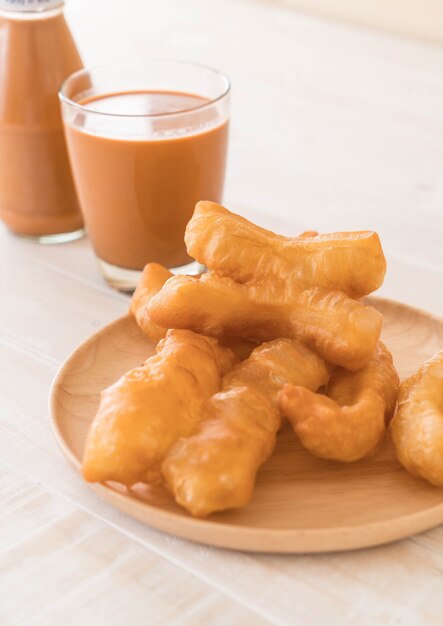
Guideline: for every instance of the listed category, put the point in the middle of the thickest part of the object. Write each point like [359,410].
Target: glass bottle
[37,52]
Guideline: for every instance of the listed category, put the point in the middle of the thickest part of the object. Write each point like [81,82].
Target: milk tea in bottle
[37,52]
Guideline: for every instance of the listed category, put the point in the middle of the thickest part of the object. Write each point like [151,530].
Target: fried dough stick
[349,422]
[232,246]
[343,331]
[417,426]
[151,281]
[215,468]
[144,413]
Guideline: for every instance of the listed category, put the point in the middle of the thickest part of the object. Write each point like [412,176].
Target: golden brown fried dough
[343,331]
[231,246]
[349,422]
[417,426]
[215,468]
[144,413]
[306,234]
[151,281]
[241,348]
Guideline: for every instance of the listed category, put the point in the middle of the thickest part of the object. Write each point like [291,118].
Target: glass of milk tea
[146,142]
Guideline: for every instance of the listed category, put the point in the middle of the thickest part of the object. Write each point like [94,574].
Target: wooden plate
[300,504]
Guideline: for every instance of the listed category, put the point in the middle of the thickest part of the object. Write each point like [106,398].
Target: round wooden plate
[301,504]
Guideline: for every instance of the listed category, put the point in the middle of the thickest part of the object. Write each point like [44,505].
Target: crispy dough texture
[215,469]
[417,426]
[151,281]
[229,245]
[341,330]
[144,413]
[349,422]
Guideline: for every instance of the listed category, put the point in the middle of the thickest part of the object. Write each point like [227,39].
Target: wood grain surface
[96,573]
[301,503]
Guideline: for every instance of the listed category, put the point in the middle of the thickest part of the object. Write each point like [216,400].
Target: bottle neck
[30,16]
[30,9]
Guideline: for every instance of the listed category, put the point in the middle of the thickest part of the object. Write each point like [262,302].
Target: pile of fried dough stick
[249,343]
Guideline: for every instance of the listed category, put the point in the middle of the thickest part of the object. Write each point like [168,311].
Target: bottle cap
[29,5]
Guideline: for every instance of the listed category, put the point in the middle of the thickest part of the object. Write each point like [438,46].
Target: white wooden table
[333,127]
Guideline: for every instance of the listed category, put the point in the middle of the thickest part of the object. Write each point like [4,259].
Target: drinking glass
[146,141]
